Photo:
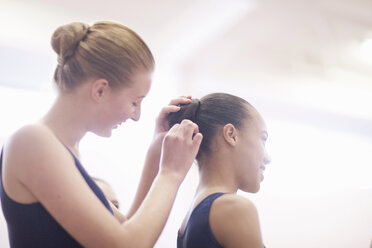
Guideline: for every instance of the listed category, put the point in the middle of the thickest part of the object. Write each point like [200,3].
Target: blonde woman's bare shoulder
[234,222]
[30,138]
[29,148]
[35,130]
[30,151]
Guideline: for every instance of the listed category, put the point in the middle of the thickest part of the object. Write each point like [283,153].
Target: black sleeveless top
[30,225]
[198,232]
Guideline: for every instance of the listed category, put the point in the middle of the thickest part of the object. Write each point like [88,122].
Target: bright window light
[365,51]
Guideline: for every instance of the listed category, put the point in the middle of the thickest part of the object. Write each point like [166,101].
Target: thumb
[197,140]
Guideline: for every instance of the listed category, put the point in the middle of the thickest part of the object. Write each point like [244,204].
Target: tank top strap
[1,166]
[198,232]
[210,199]
[90,181]
[1,160]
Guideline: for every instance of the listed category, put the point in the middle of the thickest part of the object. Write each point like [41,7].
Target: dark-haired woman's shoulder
[234,222]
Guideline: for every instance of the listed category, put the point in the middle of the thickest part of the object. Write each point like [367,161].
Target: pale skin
[46,172]
[108,192]
[237,161]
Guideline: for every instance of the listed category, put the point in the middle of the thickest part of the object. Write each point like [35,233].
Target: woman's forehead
[255,119]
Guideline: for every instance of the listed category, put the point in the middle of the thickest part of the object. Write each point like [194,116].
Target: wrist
[155,146]
[171,176]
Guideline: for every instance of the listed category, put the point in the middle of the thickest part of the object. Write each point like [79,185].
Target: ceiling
[298,59]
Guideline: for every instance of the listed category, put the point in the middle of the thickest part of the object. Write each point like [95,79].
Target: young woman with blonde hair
[48,199]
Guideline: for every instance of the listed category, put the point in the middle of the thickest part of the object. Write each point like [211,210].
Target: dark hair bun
[187,111]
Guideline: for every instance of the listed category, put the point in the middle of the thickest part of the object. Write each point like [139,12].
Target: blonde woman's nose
[136,113]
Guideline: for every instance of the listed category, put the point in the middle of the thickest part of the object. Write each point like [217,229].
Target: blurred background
[306,65]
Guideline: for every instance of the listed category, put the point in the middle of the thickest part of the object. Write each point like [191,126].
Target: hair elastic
[197,110]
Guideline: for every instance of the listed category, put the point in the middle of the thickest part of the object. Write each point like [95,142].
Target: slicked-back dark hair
[210,113]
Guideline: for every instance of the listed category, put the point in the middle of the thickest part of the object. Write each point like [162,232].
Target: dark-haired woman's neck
[217,176]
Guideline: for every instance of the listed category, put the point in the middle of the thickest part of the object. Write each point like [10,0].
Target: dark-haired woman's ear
[230,134]
[98,88]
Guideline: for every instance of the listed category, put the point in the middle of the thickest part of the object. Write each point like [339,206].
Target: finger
[196,143]
[188,96]
[197,140]
[180,100]
[166,110]
[174,129]
[189,128]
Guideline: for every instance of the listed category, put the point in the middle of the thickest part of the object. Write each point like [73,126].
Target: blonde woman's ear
[98,88]
[230,134]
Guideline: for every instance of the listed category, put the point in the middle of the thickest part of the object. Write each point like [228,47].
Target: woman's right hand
[161,129]
[151,168]
[180,147]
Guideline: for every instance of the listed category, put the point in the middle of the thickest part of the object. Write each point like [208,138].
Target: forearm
[179,149]
[151,166]
[147,223]
[149,172]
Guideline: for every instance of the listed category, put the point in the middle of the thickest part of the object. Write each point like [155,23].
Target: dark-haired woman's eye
[134,104]
[264,139]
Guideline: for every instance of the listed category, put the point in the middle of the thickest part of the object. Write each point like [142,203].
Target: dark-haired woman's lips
[119,124]
[262,171]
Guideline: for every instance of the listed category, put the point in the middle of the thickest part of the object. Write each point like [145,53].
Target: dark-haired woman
[48,199]
[232,156]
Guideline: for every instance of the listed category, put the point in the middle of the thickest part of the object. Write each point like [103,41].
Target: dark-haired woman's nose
[267,158]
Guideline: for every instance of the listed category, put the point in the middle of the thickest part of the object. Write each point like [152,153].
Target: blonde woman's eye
[134,104]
